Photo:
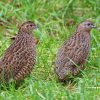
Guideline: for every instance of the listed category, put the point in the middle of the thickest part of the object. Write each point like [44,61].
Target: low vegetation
[57,20]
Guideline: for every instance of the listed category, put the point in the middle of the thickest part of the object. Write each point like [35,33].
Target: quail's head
[27,27]
[85,26]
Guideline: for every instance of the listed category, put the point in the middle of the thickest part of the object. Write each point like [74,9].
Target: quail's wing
[65,53]
[10,52]
[70,53]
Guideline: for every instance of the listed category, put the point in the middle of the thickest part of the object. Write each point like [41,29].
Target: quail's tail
[0,66]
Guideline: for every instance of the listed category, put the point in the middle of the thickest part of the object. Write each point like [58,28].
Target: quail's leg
[75,70]
[82,64]
[23,73]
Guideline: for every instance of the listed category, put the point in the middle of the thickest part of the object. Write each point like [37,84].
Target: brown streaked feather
[20,56]
[72,55]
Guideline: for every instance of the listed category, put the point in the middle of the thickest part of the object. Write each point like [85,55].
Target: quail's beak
[35,27]
[93,26]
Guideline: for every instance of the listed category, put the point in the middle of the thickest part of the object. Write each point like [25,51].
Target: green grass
[53,18]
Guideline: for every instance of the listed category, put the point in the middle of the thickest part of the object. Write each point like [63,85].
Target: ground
[57,20]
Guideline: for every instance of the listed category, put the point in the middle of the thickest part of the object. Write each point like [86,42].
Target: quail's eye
[31,25]
[88,24]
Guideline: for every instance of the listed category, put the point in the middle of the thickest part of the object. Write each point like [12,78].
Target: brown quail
[72,55]
[20,57]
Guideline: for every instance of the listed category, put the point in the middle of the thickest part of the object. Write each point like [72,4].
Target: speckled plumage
[72,55]
[19,58]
